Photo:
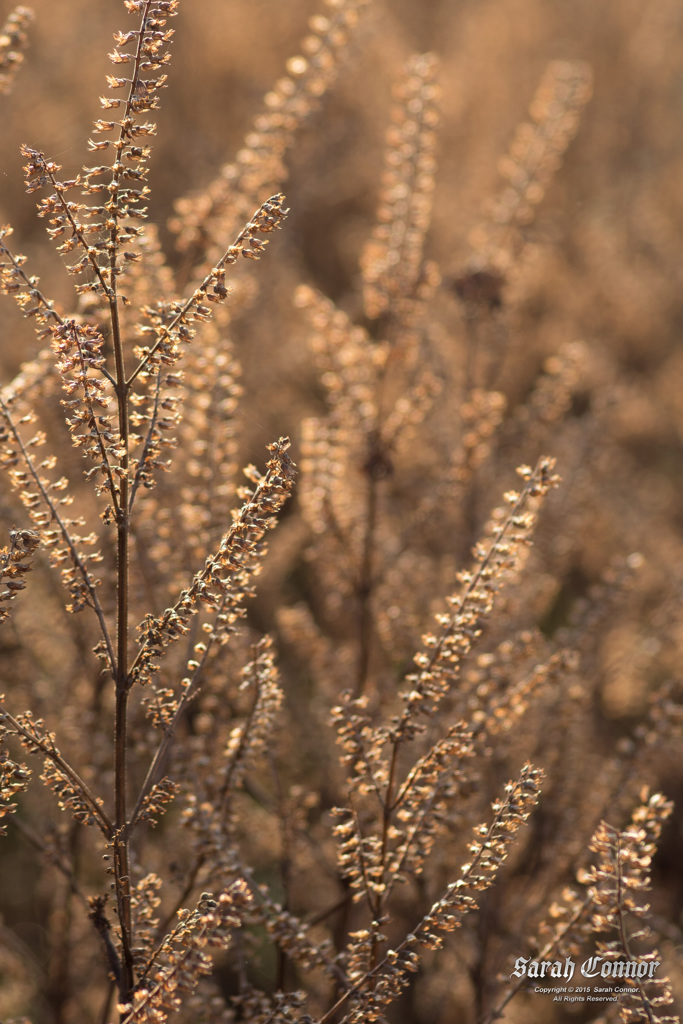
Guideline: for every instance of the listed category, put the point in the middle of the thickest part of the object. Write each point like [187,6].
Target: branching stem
[122,390]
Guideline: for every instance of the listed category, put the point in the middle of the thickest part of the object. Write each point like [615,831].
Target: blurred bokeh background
[602,263]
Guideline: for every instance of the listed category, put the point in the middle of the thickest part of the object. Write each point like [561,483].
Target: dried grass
[501,685]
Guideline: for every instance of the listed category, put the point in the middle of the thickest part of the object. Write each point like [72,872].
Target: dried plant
[12,40]
[200,848]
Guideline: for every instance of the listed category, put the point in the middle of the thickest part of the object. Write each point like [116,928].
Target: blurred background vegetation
[603,265]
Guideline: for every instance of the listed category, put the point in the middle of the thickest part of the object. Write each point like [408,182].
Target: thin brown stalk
[34,741]
[66,536]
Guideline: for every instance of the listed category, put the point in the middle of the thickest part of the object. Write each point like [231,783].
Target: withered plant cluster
[439,733]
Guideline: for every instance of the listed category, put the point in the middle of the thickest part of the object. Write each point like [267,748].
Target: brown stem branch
[66,536]
[45,748]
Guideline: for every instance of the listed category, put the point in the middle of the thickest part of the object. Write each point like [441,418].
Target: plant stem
[365,588]
[122,680]
[122,689]
[121,839]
